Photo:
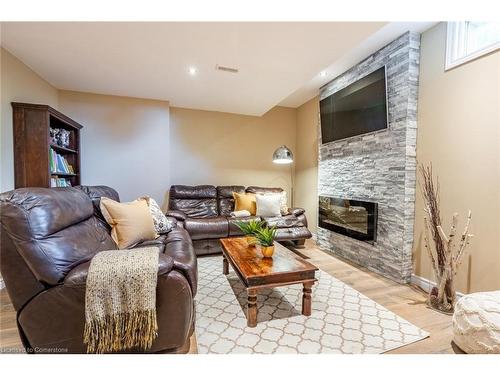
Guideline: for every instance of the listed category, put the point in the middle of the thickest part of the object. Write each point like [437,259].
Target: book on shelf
[52,160]
[59,182]
[59,164]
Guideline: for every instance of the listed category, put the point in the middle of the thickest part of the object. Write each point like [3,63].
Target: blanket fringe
[121,331]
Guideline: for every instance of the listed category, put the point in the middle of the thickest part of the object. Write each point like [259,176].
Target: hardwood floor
[404,300]
[9,337]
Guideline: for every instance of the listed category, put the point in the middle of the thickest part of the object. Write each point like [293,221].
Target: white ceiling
[357,53]
[278,62]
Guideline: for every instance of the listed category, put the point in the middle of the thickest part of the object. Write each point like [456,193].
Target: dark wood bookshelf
[32,143]
[62,150]
[64,174]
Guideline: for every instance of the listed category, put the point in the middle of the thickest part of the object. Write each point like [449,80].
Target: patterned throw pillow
[283,203]
[161,223]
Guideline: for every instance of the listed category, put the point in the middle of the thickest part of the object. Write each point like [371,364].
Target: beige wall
[125,142]
[306,156]
[142,146]
[223,149]
[18,84]
[459,132]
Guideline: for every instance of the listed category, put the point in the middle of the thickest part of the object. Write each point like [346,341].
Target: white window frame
[456,39]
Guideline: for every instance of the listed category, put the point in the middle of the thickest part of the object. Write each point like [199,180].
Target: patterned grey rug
[342,320]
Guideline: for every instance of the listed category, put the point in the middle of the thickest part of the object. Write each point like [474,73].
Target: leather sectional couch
[49,236]
[205,212]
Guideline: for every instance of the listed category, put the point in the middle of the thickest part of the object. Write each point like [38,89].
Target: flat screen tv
[357,109]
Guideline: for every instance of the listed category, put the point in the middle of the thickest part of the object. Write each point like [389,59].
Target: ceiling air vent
[226,69]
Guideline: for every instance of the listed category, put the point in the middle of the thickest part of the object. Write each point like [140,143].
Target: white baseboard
[425,284]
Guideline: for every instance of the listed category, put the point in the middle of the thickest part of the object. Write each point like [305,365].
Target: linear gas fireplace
[356,219]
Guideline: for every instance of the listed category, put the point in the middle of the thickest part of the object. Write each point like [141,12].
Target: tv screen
[357,109]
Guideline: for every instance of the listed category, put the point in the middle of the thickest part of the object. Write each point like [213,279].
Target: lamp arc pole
[283,155]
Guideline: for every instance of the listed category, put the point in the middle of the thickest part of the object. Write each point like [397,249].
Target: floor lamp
[283,155]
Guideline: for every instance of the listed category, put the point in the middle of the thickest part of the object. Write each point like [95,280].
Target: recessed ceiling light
[323,73]
[192,70]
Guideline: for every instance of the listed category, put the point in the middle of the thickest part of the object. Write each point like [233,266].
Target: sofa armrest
[179,246]
[178,215]
[56,317]
[296,211]
[78,275]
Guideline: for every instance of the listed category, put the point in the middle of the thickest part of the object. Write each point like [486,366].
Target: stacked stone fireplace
[378,167]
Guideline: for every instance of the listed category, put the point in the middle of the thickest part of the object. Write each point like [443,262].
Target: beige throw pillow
[130,222]
[244,201]
[268,205]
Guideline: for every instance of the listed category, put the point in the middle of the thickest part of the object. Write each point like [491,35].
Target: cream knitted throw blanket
[120,300]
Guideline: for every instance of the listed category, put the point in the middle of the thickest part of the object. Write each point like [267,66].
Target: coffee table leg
[306,298]
[252,308]
[225,266]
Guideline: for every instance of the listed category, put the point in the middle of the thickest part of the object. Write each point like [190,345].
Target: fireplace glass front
[353,218]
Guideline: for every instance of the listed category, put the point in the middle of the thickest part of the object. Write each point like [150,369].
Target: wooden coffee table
[256,272]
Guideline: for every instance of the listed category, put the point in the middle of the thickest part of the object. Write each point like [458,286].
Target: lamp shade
[283,155]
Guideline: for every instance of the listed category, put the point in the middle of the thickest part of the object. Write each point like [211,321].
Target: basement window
[467,40]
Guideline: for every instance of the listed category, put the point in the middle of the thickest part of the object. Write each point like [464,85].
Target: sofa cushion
[201,228]
[50,210]
[207,247]
[158,242]
[193,192]
[233,228]
[287,221]
[263,190]
[78,275]
[95,193]
[195,201]
[297,211]
[225,198]
[52,229]
[293,233]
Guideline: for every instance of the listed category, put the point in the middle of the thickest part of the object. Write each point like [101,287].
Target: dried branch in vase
[445,256]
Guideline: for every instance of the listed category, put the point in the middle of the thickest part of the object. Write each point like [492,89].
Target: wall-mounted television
[356,109]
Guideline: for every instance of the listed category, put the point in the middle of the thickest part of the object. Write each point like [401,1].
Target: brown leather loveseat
[49,236]
[205,211]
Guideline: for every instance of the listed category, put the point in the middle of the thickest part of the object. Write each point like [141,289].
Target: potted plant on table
[249,229]
[265,238]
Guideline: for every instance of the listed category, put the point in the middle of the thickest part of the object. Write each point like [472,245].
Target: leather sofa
[49,236]
[205,212]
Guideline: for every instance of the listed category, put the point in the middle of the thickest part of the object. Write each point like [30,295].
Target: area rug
[342,320]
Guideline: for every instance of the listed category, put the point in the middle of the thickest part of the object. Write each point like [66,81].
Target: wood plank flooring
[404,300]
